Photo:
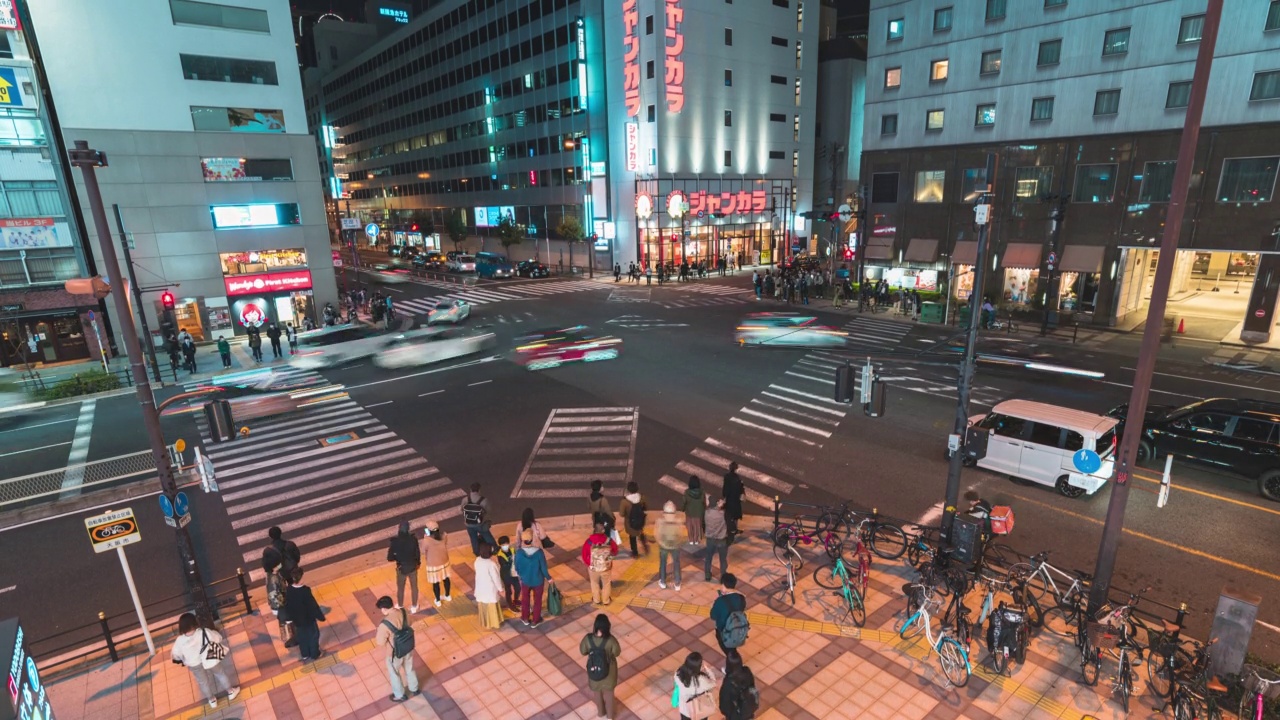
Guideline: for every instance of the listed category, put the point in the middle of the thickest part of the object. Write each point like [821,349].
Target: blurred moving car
[787,330]
[532,269]
[493,265]
[392,277]
[553,347]
[1240,436]
[14,405]
[462,263]
[341,344]
[429,261]
[450,310]
[438,345]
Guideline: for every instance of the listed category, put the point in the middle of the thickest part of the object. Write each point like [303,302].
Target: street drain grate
[338,439]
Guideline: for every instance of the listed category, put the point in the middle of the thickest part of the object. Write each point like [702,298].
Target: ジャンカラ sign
[633,146]
[674,76]
[631,61]
[739,203]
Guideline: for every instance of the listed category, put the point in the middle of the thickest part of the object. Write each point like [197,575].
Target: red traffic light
[848,253]
[413,227]
[166,299]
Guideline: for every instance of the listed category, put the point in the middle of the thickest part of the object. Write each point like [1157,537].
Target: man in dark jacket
[273,332]
[304,612]
[407,556]
[284,552]
[733,493]
[729,602]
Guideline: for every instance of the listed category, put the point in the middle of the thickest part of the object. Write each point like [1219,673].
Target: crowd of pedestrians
[796,285]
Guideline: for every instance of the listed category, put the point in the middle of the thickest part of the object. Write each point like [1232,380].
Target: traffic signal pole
[87,160]
[1144,367]
[137,293]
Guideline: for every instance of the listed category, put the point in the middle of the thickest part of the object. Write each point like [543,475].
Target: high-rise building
[1084,99]
[698,116]
[198,107]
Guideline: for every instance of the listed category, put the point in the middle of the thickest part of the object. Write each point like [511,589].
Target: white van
[1036,441]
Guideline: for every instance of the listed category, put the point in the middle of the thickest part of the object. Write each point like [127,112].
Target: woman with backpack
[488,588]
[276,585]
[436,548]
[529,524]
[633,512]
[694,684]
[602,651]
[739,698]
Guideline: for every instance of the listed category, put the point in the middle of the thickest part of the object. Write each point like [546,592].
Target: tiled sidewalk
[806,665]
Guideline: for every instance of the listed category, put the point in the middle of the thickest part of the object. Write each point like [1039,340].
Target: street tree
[570,228]
[456,228]
[509,233]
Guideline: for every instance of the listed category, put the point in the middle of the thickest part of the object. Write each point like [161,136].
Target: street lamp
[87,160]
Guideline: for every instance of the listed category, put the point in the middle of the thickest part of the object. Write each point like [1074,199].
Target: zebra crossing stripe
[808,377]
[786,423]
[367,424]
[344,450]
[285,428]
[307,487]
[349,508]
[753,496]
[744,471]
[816,408]
[738,452]
[811,396]
[784,409]
[772,431]
[578,445]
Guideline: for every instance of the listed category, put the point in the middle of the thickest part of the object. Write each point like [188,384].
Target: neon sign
[631,61]
[674,65]
[633,146]
[739,203]
[644,206]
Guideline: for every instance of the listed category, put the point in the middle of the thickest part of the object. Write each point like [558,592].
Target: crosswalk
[782,429]
[707,301]
[332,476]
[484,295]
[578,445]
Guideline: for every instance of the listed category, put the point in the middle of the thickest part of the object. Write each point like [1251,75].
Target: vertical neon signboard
[674,75]
[631,60]
[582,64]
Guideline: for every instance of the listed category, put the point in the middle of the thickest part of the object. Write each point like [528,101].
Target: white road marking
[74,477]
[786,423]
[384,402]
[425,372]
[433,392]
[33,427]
[42,447]
[1214,382]
[482,382]
[771,431]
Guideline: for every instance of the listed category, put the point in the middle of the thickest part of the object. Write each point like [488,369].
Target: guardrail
[119,634]
[74,478]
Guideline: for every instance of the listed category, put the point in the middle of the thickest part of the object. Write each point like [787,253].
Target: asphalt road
[410,441]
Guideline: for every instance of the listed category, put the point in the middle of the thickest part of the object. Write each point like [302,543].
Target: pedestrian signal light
[166,299]
[413,227]
[848,253]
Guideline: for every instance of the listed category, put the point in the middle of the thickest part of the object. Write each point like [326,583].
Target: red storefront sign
[268,282]
[739,203]
[882,230]
[674,76]
[631,61]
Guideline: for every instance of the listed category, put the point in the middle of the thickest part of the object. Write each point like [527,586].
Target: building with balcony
[1085,99]
[198,107]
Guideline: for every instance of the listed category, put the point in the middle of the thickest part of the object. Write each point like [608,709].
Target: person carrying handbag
[203,652]
[694,692]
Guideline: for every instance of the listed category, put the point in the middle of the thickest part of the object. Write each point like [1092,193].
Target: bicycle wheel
[1124,681]
[1090,664]
[783,552]
[913,553]
[954,663]
[1248,706]
[911,627]
[999,662]
[1034,616]
[1184,708]
[1060,621]
[833,544]
[1160,673]
[888,541]
[826,577]
[857,611]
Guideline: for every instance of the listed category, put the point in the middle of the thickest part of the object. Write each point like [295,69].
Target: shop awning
[922,251]
[1024,256]
[879,248]
[1082,258]
[966,253]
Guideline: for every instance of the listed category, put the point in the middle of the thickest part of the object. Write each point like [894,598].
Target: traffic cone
[1182,326]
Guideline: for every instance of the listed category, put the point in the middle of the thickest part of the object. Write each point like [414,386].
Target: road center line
[433,392]
[482,382]
[1154,539]
[1203,493]
[1214,382]
[42,447]
[425,372]
[1154,390]
[45,424]
[385,402]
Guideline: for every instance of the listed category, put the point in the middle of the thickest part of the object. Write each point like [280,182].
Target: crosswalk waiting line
[578,445]
[295,470]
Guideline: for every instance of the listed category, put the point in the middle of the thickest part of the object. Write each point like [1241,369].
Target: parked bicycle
[1257,684]
[787,537]
[884,538]
[852,591]
[1196,698]
[952,656]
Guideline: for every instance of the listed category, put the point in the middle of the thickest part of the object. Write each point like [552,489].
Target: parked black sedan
[1236,435]
[531,269]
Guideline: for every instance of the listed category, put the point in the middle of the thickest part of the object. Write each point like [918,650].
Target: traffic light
[166,299]
[848,253]
[844,384]
[413,227]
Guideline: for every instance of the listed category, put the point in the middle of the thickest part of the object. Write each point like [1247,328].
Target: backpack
[636,516]
[601,558]
[473,511]
[276,601]
[401,638]
[746,700]
[736,628]
[597,661]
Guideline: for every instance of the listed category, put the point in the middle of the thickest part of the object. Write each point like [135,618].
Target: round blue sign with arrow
[372,230]
[1087,461]
[180,504]
[166,506]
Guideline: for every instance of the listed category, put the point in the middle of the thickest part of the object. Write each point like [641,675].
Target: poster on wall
[223,169]
[255,120]
[25,233]
[250,312]
[911,279]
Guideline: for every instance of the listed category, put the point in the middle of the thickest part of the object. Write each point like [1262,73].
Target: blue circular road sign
[166,507]
[180,504]
[372,230]
[1087,461]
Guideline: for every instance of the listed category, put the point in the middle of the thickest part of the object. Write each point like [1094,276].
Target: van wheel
[1065,487]
[1145,451]
[1269,485]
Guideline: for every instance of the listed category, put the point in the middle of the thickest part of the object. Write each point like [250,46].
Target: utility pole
[982,218]
[1056,215]
[137,292]
[87,160]
[864,227]
[1144,367]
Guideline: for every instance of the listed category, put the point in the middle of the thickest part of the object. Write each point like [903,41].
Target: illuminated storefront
[686,219]
[25,696]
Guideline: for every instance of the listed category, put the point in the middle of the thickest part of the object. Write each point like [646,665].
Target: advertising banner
[268,283]
[223,169]
[26,233]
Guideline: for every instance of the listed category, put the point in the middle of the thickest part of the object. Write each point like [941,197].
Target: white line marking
[33,427]
[809,377]
[771,431]
[425,372]
[785,409]
[786,423]
[1214,382]
[482,382]
[346,509]
[811,396]
[305,487]
[385,402]
[74,477]
[284,463]
[42,447]
[433,392]
[750,474]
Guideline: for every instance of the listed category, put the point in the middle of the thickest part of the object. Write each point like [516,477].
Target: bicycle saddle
[1215,685]
[1171,627]
[1084,575]
[965,611]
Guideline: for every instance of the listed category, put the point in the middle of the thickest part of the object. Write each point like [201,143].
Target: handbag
[547,544]
[675,694]
[555,601]
[213,652]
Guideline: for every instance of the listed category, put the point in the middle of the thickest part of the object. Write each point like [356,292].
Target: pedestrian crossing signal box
[964,540]
[975,443]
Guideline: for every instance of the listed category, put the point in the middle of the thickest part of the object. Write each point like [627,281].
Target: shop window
[260,261]
[1191,29]
[257,215]
[1243,264]
[933,120]
[1050,53]
[1042,109]
[892,78]
[1032,182]
[232,70]
[1247,180]
[1179,95]
[884,187]
[246,169]
[942,19]
[991,62]
[1115,42]
[985,115]
[1266,86]
[1157,181]
[973,183]
[1095,184]
[186,12]
[889,125]
[897,29]
[938,70]
[1106,102]
[930,185]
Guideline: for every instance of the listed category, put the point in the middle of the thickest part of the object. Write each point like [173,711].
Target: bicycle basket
[1012,614]
[1252,684]
[1102,636]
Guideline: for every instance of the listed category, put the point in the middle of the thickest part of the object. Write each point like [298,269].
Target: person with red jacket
[598,553]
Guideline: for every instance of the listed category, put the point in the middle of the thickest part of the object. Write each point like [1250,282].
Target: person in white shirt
[192,648]
[695,685]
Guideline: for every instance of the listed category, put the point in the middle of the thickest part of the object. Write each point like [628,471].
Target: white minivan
[1037,441]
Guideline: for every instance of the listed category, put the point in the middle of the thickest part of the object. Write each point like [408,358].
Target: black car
[429,261]
[403,251]
[531,269]
[1242,436]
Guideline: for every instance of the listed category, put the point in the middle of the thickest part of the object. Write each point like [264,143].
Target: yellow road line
[1223,498]
[1154,539]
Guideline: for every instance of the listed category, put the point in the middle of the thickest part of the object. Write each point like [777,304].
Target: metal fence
[73,478]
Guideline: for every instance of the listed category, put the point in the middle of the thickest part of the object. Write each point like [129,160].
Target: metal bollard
[244,590]
[106,634]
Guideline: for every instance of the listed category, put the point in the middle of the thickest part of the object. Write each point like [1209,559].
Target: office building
[1085,99]
[198,106]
